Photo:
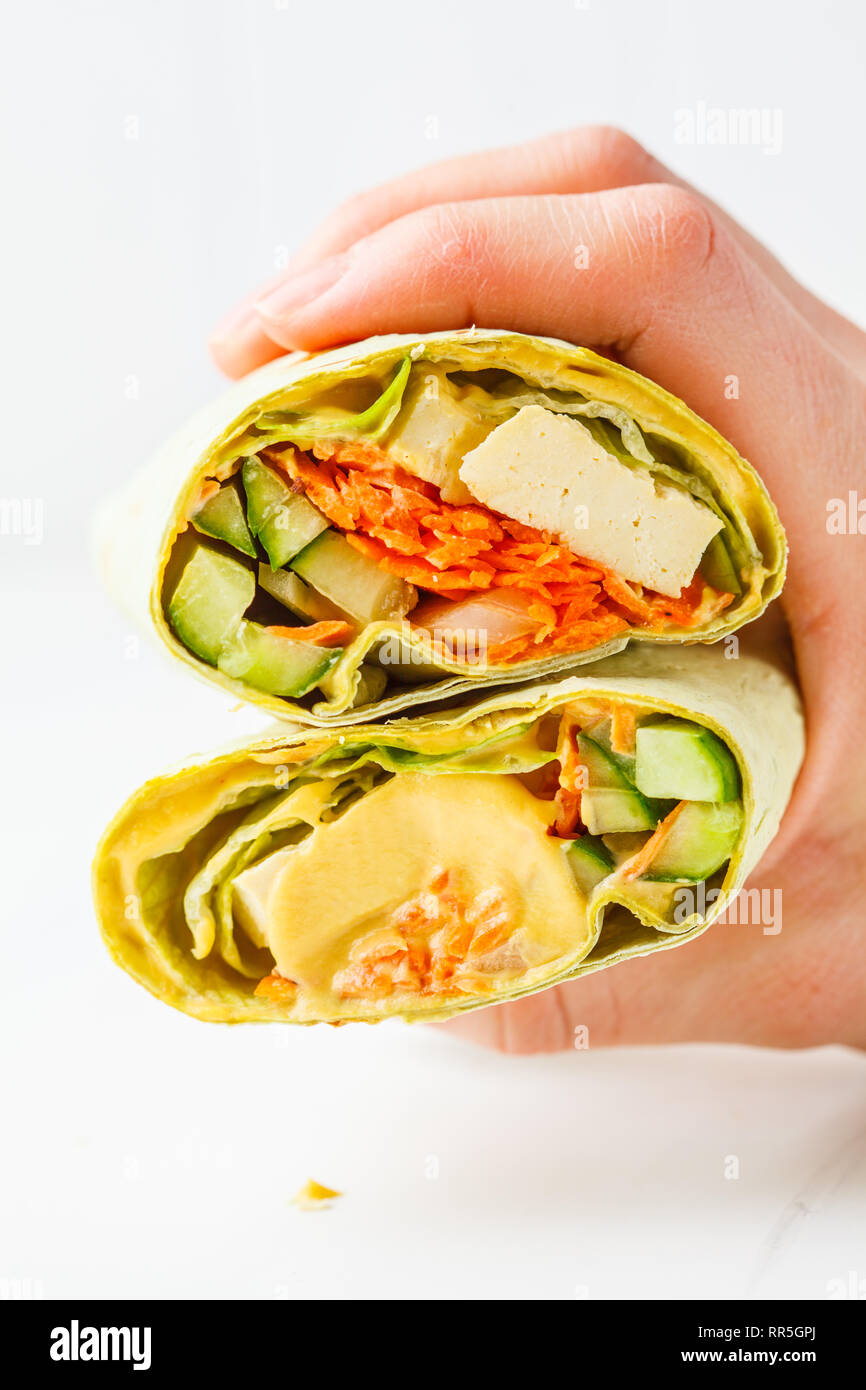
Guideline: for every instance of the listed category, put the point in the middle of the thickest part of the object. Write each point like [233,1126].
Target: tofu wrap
[347,535]
[427,866]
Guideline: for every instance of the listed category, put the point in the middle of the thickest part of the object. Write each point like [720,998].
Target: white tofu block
[250,893]
[546,470]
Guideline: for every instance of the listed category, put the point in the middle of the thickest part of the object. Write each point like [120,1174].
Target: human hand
[675,289]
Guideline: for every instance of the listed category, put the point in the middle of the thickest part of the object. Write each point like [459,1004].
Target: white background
[159,158]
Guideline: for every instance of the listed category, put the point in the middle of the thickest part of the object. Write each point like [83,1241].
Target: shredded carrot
[433,945]
[333,633]
[568,823]
[277,988]
[209,488]
[622,729]
[641,861]
[402,523]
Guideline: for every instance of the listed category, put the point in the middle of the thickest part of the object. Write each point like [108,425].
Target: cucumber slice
[613,810]
[353,581]
[600,734]
[283,520]
[602,768]
[289,589]
[701,839]
[223,517]
[684,761]
[590,862]
[624,846]
[280,665]
[209,601]
[717,567]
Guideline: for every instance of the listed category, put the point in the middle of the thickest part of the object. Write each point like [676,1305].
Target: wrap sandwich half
[401,520]
[432,865]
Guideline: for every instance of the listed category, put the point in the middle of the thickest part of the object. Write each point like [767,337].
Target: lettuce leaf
[279,426]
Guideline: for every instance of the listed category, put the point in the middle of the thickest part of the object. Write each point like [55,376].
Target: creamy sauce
[348,888]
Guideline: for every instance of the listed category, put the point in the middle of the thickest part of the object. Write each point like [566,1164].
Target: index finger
[585,160]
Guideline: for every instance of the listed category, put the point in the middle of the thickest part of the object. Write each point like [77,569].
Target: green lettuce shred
[280,426]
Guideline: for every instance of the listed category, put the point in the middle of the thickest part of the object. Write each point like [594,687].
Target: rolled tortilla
[442,863]
[570,497]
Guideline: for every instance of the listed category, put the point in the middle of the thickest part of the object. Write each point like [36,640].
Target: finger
[538,1023]
[501,262]
[239,344]
[662,284]
[582,160]
[588,159]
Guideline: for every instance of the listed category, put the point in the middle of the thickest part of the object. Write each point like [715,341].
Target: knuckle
[613,151]
[453,232]
[675,225]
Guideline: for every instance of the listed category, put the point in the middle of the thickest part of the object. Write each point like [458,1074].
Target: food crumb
[313,1196]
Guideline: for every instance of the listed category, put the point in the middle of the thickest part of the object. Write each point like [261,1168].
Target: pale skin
[671,286]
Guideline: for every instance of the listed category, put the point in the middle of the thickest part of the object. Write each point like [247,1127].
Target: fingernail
[292,294]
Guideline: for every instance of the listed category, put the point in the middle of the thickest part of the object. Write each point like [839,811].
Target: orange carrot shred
[333,633]
[277,988]
[622,729]
[209,488]
[646,854]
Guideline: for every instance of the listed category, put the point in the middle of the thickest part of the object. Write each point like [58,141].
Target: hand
[674,288]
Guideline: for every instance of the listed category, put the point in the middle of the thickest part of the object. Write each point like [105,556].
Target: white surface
[146,1154]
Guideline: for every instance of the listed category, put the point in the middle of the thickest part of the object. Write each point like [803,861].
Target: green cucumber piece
[290,590]
[600,734]
[353,581]
[222,516]
[269,661]
[590,862]
[209,601]
[283,520]
[613,810]
[717,567]
[699,842]
[602,768]
[626,845]
[684,761]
